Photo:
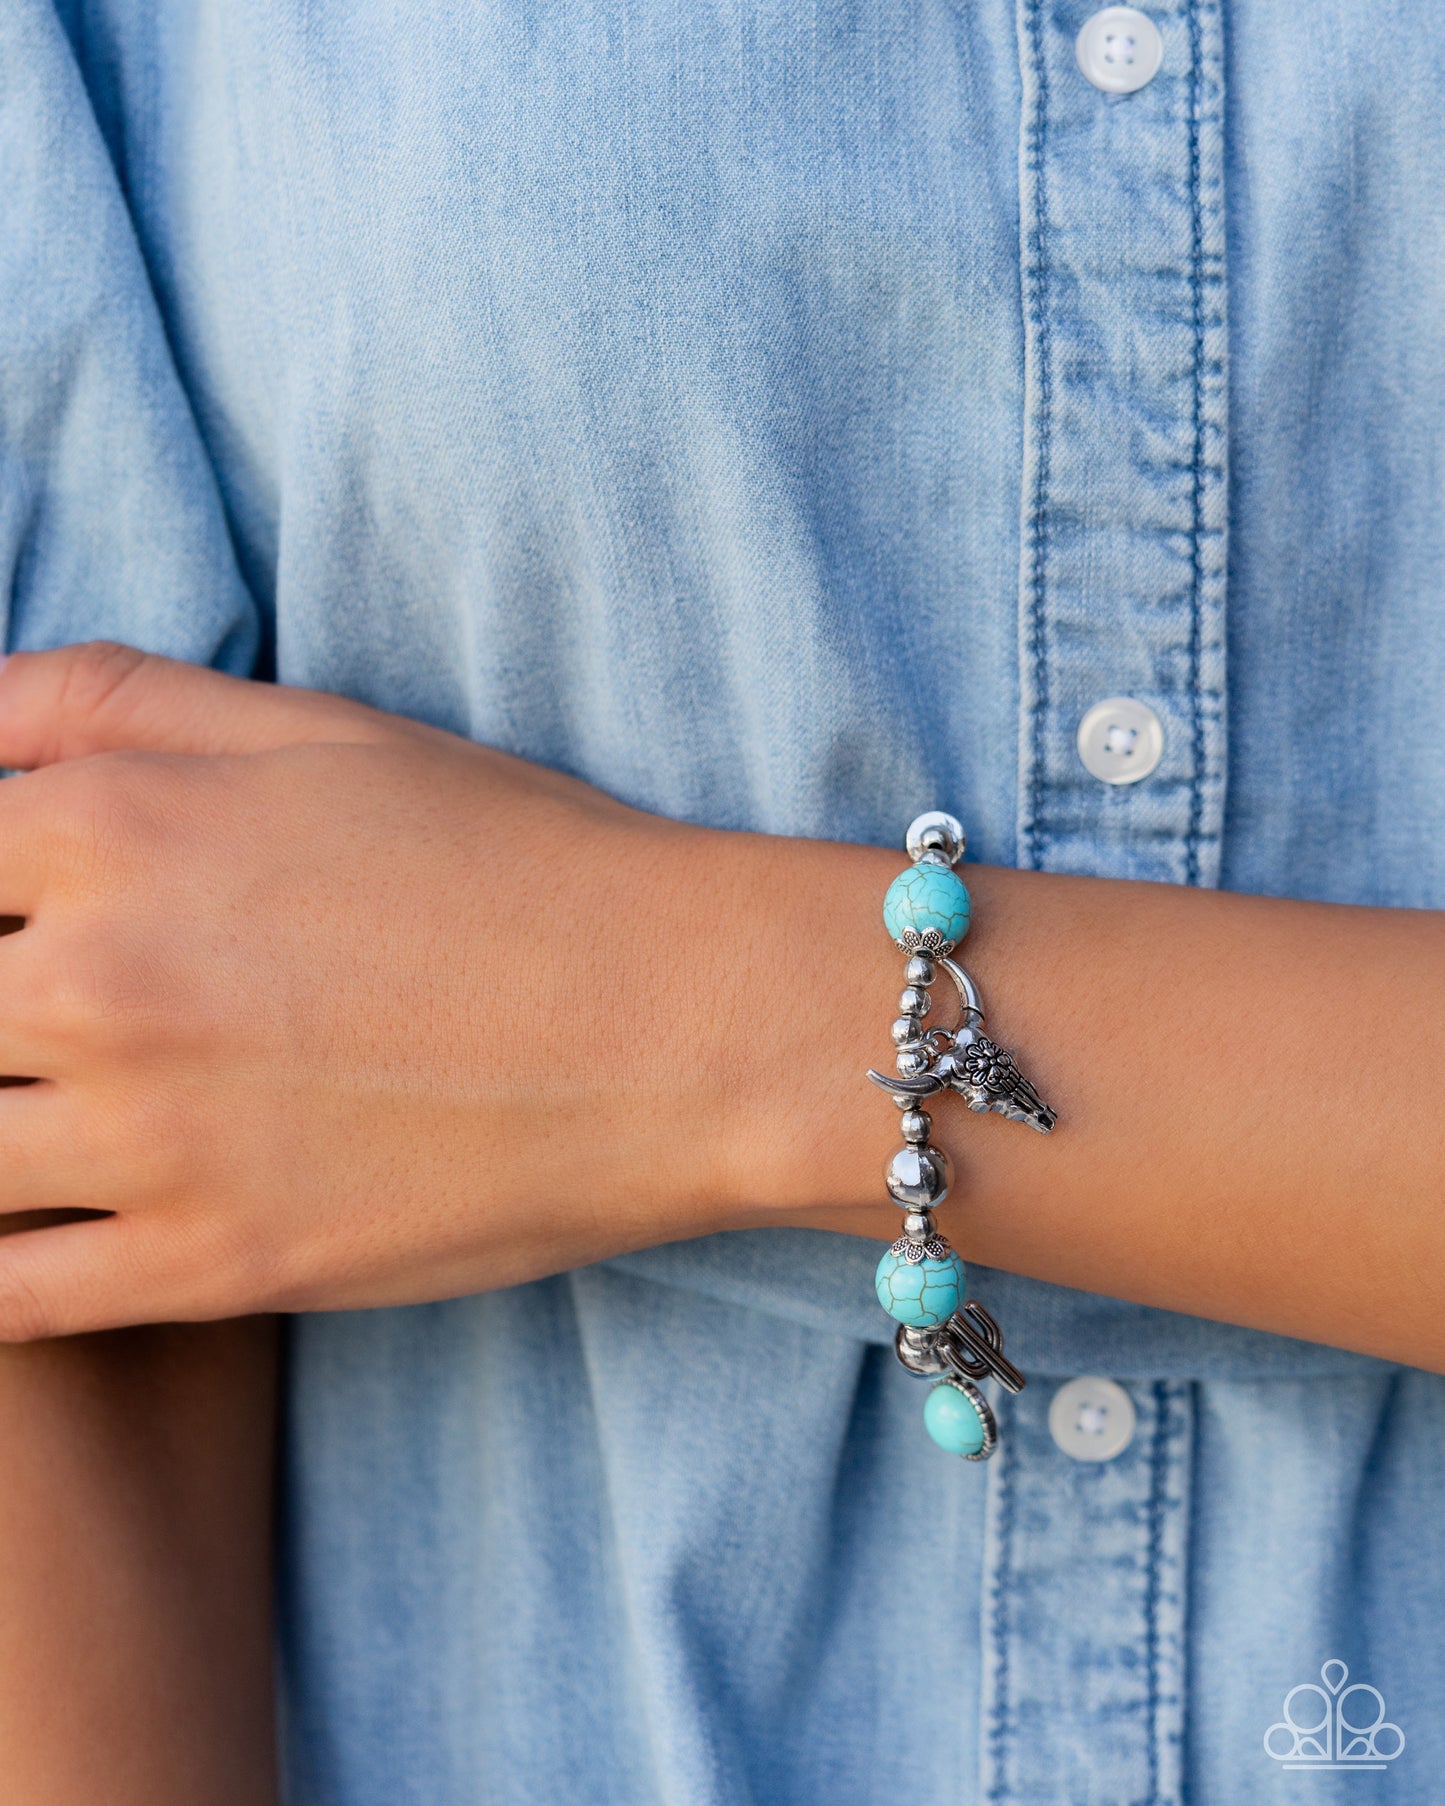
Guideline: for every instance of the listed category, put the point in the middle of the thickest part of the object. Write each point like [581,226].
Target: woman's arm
[333,1010]
[135,1625]
[1251,1095]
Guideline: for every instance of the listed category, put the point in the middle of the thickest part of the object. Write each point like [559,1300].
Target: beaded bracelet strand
[920,1279]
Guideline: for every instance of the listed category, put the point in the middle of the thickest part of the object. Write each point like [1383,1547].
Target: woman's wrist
[806,1138]
[1231,1144]
[801,972]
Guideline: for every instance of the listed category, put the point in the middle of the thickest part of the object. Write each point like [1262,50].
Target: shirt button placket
[1121,769]
[1085,1591]
[1123,505]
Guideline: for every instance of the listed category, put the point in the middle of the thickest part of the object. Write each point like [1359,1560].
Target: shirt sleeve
[111,524]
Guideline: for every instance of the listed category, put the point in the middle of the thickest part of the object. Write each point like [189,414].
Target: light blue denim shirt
[792,415]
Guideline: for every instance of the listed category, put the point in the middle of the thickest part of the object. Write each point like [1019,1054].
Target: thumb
[102,697]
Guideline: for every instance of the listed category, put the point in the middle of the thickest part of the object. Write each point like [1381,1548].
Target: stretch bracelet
[921,1279]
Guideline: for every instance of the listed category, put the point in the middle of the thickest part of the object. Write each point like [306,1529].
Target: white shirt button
[1092,1419]
[1119,49]
[1120,740]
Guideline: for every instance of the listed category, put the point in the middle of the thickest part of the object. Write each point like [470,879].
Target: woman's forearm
[1251,1092]
[135,1634]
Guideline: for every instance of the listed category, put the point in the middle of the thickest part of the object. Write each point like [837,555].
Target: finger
[30,1046]
[58,1001]
[57,1153]
[107,698]
[109,1273]
[67,1280]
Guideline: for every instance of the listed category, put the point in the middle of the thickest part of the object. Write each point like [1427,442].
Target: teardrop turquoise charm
[953,1420]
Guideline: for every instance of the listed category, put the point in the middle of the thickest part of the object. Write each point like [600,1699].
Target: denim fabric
[791,416]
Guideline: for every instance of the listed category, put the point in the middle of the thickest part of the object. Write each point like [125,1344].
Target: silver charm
[967,1061]
[927,1354]
[969,1345]
[989,1079]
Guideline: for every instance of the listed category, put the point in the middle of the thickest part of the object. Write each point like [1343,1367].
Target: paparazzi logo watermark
[1334,1725]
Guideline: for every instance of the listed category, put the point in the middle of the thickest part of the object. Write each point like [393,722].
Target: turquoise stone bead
[927,896]
[952,1420]
[920,1293]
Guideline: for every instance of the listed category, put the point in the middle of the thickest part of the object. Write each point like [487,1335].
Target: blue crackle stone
[920,1293]
[952,1420]
[927,896]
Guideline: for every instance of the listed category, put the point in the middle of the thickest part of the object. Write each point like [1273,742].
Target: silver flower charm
[989,1078]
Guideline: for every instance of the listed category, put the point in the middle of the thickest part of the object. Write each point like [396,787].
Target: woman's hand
[330,1009]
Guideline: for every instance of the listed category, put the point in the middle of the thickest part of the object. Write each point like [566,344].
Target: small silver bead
[914,1001]
[917,1350]
[911,1061]
[919,1225]
[915,1125]
[936,835]
[918,1177]
[904,1030]
[920,970]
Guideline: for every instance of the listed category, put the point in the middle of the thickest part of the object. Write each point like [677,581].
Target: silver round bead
[914,1001]
[920,970]
[903,1030]
[911,1062]
[915,1125]
[919,1225]
[918,1352]
[936,835]
[918,1177]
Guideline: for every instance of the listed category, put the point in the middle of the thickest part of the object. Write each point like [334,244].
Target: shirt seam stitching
[1038,317]
[1196,627]
[1158,1454]
[998,1727]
